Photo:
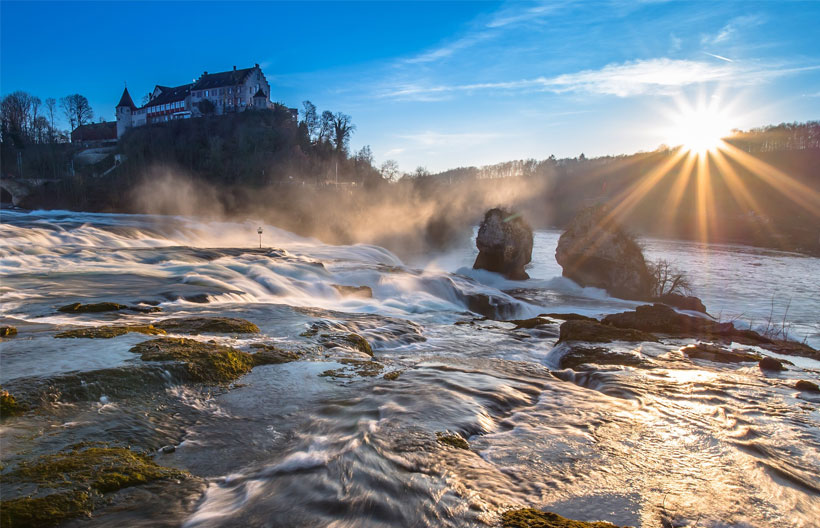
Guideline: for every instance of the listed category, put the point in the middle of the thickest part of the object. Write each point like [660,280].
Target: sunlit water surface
[702,443]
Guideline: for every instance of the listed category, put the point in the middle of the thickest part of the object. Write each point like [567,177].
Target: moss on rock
[601,356]
[532,518]
[203,325]
[353,367]
[392,375]
[354,341]
[594,332]
[271,355]
[92,307]
[7,331]
[353,291]
[51,510]
[452,440]
[107,332]
[206,362]
[9,406]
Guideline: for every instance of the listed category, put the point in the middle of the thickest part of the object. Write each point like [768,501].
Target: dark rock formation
[504,244]
[807,386]
[92,308]
[595,251]
[665,320]
[532,518]
[206,362]
[601,356]
[768,363]
[202,325]
[683,302]
[594,332]
[719,354]
[7,331]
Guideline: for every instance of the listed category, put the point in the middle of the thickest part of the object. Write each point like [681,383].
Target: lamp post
[260,236]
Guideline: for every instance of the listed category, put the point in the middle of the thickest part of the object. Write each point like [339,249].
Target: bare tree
[77,110]
[51,107]
[15,112]
[325,127]
[667,280]
[390,170]
[343,128]
[311,120]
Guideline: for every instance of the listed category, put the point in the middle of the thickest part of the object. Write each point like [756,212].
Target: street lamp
[260,236]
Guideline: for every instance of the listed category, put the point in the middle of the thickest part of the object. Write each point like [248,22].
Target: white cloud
[439,139]
[732,27]
[641,77]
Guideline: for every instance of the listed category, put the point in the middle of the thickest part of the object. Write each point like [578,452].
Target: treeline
[26,119]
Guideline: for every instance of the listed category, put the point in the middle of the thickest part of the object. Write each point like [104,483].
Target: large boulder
[596,251]
[504,244]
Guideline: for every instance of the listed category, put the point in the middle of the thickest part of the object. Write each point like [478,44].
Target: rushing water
[701,443]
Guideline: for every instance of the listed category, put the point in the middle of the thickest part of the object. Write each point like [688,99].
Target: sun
[699,129]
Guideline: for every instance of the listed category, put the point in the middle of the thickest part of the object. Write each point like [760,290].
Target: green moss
[9,406]
[207,362]
[103,469]
[354,341]
[107,332]
[92,308]
[355,367]
[353,291]
[392,375]
[532,518]
[452,440]
[203,325]
[7,331]
[50,510]
[271,355]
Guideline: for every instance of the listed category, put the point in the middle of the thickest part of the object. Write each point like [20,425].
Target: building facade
[213,93]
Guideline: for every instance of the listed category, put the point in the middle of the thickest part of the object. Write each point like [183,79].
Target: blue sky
[442,85]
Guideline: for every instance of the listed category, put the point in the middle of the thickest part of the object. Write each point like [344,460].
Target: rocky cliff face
[594,252]
[504,244]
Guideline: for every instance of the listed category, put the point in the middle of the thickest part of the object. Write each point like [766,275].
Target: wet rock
[594,332]
[92,308]
[772,364]
[354,341]
[452,440]
[569,317]
[665,320]
[719,354]
[107,332]
[595,251]
[207,362]
[80,473]
[393,375]
[354,291]
[489,306]
[807,386]
[601,356]
[7,331]
[202,325]
[532,518]
[271,355]
[9,406]
[683,302]
[504,244]
[167,449]
[531,323]
[367,369]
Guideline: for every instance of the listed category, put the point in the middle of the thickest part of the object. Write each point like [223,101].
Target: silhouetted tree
[343,128]
[311,120]
[206,107]
[77,110]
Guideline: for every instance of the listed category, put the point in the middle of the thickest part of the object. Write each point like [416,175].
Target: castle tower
[124,109]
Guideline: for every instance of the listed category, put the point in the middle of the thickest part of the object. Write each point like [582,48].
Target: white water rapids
[705,444]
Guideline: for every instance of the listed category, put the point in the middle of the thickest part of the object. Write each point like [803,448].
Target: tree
[343,128]
[421,172]
[325,127]
[51,107]
[206,107]
[390,170]
[311,120]
[77,110]
[364,157]
[40,130]
[16,115]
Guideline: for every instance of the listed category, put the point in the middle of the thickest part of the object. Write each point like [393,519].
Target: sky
[443,85]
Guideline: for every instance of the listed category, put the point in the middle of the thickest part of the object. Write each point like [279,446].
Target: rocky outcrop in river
[596,251]
[504,244]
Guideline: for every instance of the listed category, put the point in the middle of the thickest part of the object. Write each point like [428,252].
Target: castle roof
[126,100]
[170,94]
[96,131]
[226,78]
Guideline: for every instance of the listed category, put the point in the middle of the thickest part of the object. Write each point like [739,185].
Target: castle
[228,91]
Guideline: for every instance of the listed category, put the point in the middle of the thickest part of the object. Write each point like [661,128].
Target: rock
[92,308]
[807,386]
[354,291]
[595,332]
[769,363]
[530,323]
[665,320]
[719,354]
[206,362]
[601,356]
[452,440]
[9,406]
[532,518]
[393,375]
[569,317]
[367,369]
[107,332]
[504,244]
[201,325]
[596,251]
[7,331]
[271,355]
[354,341]
[683,302]
[167,449]
[50,510]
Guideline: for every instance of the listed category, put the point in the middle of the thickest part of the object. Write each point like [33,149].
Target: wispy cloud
[734,26]
[440,139]
[721,57]
[641,77]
